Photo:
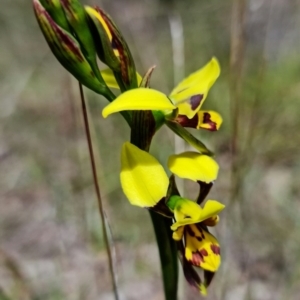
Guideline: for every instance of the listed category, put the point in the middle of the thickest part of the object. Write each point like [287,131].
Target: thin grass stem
[236,67]
[97,190]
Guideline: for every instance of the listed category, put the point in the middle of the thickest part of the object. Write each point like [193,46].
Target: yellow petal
[177,235]
[143,179]
[209,119]
[201,248]
[139,99]
[194,166]
[190,94]
[211,222]
[189,212]
[110,80]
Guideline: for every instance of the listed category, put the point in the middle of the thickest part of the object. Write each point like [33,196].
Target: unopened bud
[64,45]
[112,48]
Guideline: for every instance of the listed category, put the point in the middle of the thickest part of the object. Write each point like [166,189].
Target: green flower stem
[98,194]
[168,254]
[143,129]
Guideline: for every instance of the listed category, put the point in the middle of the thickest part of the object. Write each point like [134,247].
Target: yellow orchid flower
[189,212]
[198,248]
[201,248]
[187,97]
[145,184]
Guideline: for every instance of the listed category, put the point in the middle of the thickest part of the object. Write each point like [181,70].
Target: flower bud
[65,46]
[78,21]
[54,9]
[112,48]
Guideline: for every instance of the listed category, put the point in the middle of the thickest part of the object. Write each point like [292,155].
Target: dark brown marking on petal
[197,258]
[207,120]
[190,231]
[203,252]
[201,227]
[215,249]
[195,101]
[184,121]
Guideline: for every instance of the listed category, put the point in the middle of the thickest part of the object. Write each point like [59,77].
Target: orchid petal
[178,234]
[190,274]
[211,222]
[139,99]
[201,248]
[205,119]
[189,212]
[209,119]
[190,94]
[194,166]
[143,179]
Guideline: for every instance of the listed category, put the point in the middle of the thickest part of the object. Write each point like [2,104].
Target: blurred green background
[50,236]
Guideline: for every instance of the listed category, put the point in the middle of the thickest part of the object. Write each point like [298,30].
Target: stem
[142,131]
[167,253]
[97,189]
[109,95]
